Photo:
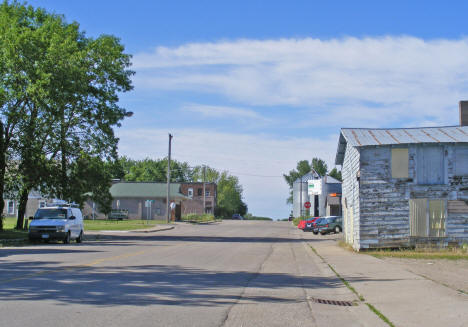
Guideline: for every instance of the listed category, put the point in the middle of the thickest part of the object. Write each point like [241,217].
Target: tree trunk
[2,172]
[63,176]
[22,208]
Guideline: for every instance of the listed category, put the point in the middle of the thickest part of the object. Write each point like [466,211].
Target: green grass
[380,315]
[449,254]
[120,224]
[9,223]
[10,236]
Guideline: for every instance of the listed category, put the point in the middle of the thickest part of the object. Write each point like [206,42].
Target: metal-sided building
[325,202]
[405,186]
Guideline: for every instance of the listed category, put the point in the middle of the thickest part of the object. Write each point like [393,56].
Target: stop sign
[307,205]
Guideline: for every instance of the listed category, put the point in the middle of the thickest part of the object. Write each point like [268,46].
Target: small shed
[404,186]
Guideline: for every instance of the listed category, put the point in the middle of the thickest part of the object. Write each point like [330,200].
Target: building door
[437,216]
[427,217]
[316,205]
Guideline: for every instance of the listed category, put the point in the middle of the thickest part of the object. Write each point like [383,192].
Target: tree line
[59,93]
[229,190]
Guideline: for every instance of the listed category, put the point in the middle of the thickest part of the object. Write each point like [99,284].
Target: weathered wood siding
[350,198]
[383,208]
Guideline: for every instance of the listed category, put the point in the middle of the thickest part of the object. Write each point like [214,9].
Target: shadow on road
[148,285]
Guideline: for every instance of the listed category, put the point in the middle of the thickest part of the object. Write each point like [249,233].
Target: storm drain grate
[333,302]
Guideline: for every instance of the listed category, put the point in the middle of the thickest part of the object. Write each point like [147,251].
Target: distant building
[142,200]
[193,203]
[324,200]
[35,201]
[405,186]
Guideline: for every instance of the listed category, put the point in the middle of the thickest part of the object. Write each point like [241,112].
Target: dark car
[237,216]
[329,224]
[309,225]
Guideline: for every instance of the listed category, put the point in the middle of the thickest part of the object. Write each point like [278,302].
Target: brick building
[194,193]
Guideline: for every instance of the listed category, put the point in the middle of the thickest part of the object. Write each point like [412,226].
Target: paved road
[236,273]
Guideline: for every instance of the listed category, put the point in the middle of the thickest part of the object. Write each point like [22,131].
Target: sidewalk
[405,298]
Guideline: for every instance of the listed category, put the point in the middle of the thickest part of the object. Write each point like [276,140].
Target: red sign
[307,205]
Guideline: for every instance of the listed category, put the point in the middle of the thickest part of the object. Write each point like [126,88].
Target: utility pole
[300,200]
[204,189]
[168,206]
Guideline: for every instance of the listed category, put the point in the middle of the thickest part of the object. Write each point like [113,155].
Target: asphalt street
[235,273]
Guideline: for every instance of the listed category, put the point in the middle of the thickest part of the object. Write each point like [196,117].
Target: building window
[117,203]
[400,163]
[11,207]
[207,193]
[42,204]
[430,165]
[200,192]
[190,192]
[461,160]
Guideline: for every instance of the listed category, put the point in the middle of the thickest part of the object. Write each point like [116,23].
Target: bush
[296,221]
[250,217]
[192,217]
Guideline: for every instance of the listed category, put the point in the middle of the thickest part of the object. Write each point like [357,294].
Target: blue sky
[255,86]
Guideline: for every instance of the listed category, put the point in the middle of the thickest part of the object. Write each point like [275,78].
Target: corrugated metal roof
[358,137]
[144,190]
[370,136]
[309,176]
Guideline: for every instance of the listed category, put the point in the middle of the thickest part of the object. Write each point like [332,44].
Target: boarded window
[190,192]
[461,160]
[437,218]
[427,217]
[430,168]
[400,163]
[418,217]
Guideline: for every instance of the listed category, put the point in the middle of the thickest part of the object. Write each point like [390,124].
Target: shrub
[198,218]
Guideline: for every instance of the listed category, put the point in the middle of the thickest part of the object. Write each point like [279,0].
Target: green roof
[144,190]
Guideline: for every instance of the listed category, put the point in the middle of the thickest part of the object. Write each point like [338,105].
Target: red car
[303,223]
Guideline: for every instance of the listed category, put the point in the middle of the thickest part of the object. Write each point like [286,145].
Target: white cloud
[258,160]
[223,111]
[395,78]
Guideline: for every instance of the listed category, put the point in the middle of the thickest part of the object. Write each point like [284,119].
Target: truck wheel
[80,238]
[67,239]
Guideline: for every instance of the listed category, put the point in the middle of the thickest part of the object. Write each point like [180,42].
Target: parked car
[330,224]
[237,216]
[301,224]
[310,224]
[62,222]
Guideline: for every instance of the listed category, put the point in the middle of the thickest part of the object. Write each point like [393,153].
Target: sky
[252,87]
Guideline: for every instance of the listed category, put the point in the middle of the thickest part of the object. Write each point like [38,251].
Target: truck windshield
[51,214]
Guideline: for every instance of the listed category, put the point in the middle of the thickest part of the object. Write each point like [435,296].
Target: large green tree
[151,170]
[59,102]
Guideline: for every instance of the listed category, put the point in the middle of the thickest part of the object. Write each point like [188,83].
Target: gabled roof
[359,137]
[145,190]
[311,175]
